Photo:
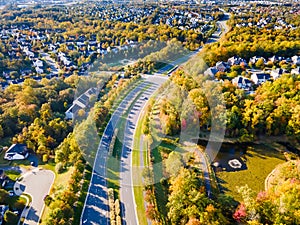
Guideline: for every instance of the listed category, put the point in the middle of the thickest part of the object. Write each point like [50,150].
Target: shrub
[59,168]
[45,158]
[117,207]
[48,199]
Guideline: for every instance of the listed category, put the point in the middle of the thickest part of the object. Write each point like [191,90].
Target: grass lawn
[260,161]
[138,188]
[3,162]
[6,141]
[60,183]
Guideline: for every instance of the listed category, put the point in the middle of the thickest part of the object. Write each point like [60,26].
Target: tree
[1,132]
[174,163]
[260,63]
[188,201]
[10,218]
[4,195]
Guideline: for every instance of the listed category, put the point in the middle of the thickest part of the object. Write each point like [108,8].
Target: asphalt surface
[96,210]
[53,65]
[128,205]
[37,183]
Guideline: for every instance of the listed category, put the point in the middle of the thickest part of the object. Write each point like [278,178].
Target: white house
[296,59]
[221,66]
[3,209]
[235,61]
[259,78]
[80,103]
[16,152]
[242,82]
[39,70]
[38,63]
[254,59]
[211,71]
[296,71]
[276,73]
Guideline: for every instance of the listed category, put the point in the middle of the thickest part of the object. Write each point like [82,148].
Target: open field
[260,161]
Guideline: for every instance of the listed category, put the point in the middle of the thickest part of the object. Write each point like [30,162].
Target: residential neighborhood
[149,112]
[253,76]
[30,48]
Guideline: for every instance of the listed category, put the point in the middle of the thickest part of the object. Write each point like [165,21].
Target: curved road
[96,208]
[126,185]
[37,183]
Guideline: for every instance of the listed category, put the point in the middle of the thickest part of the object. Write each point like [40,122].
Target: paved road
[222,29]
[96,209]
[177,62]
[37,183]
[53,65]
[126,183]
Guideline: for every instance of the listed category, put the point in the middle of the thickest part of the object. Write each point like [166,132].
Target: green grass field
[260,161]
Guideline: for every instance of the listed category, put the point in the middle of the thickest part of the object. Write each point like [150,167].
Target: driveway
[37,183]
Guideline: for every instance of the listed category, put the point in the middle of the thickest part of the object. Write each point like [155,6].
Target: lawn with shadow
[259,160]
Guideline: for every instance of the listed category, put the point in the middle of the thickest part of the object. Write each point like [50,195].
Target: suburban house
[16,152]
[296,71]
[235,61]
[221,66]
[276,73]
[296,59]
[254,59]
[211,71]
[242,82]
[80,103]
[259,78]
[3,209]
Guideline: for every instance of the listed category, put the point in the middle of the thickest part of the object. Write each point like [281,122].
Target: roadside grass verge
[114,160]
[260,161]
[83,193]
[160,192]
[59,184]
[136,162]
[3,162]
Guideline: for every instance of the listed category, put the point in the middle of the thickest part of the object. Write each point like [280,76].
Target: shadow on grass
[160,191]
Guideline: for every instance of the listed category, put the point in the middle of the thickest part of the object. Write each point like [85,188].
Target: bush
[10,218]
[48,199]
[117,207]
[19,204]
[45,158]
[119,222]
